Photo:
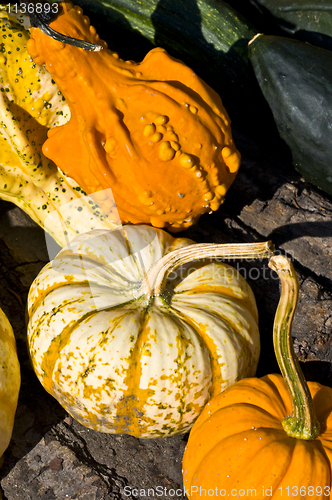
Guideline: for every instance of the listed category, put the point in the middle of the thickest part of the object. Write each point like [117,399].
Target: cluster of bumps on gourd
[153,132]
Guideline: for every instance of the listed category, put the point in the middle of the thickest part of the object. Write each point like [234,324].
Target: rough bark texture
[53,457]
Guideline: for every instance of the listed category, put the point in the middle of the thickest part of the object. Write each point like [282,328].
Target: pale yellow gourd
[10,381]
[30,104]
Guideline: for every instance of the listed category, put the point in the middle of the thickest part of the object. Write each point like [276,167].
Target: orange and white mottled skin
[122,363]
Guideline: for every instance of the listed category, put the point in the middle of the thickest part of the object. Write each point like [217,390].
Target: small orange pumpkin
[153,131]
[244,443]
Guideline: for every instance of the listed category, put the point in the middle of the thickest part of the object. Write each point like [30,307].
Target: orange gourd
[268,437]
[153,132]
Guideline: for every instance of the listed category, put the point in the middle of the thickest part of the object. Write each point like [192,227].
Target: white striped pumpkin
[10,381]
[124,356]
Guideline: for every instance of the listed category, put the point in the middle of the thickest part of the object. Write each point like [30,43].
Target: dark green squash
[208,29]
[296,80]
[309,20]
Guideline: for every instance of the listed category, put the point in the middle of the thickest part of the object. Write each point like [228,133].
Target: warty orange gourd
[153,131]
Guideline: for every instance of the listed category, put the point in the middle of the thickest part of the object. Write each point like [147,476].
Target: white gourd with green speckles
[10,381]
[120,359]
[30,104]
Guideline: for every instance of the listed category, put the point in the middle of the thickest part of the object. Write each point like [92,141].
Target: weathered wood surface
[53,457]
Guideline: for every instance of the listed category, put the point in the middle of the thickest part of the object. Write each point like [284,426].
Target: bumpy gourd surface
[238,444]
[120,364]
[10,381]
[154,132]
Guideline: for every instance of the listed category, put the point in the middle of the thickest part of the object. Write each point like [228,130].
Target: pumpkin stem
[41,21]
[155,278]
[82,44]
[302,423]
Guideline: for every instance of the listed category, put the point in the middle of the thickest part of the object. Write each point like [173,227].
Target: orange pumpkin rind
[268,437]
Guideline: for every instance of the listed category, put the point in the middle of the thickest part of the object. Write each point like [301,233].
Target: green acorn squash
[306,19]
[296,80]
